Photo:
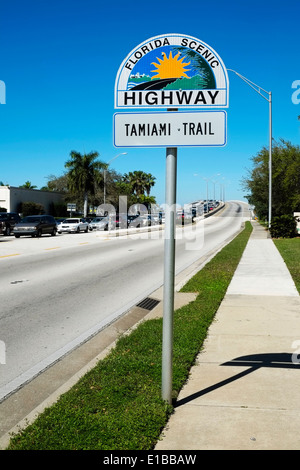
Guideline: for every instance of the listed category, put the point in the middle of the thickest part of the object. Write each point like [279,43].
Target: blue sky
[60,58]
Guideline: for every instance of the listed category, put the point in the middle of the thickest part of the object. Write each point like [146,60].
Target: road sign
[71,207]
[159,129]
[172,71]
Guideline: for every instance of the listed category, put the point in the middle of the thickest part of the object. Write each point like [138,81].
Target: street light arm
[124,153]
[253,85]
[258,89]
[104,174]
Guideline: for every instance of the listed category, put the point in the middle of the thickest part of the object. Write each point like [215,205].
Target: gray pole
[262,93]
[169,274]
[206,195]
[104,188]
[206,179]
[270,158]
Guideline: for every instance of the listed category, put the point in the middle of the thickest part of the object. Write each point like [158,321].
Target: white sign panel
[173,129]
[172,71]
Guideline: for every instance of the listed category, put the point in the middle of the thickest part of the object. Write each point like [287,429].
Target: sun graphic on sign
[170,67]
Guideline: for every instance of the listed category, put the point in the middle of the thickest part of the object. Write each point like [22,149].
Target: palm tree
[205,77]
[140,182]
[28,185]
[85,172]
[135,179]
[150,181]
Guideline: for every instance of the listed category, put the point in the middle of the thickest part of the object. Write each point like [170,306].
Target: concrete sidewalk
[242,394]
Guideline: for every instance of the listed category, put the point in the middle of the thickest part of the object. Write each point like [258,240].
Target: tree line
[87,181]
[285,181]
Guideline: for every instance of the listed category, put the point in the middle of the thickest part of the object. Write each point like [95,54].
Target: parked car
[184,217]
[208,207]
[99,223]
[197,211]
[120,221]
[8,220]
[59,221]
[134,221]
[150,219]
[36,226]
[73,225]
[161,218]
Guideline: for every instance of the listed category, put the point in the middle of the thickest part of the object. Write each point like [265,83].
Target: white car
[149,219]
[73,225]
[99,223]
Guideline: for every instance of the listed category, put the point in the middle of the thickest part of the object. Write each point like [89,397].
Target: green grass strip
[118,404]
[289,248]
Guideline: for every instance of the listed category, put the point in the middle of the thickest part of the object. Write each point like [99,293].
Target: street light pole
[104,175]
[268,98]
[214,183]
[206,179]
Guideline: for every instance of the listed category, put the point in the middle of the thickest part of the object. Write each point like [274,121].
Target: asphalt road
[58,291]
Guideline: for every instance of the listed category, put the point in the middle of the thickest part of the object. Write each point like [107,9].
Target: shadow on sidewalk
[254,362]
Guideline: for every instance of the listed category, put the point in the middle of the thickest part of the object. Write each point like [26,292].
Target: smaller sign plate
[170,129]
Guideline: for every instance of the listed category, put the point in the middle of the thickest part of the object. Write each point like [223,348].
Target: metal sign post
[171,71]
[169,273]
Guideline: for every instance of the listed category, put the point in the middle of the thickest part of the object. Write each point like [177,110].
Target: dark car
[36,226]
[8,220]
[120,221]
[184,217]
[134,220]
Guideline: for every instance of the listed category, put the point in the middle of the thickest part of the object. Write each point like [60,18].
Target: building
[11,197]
